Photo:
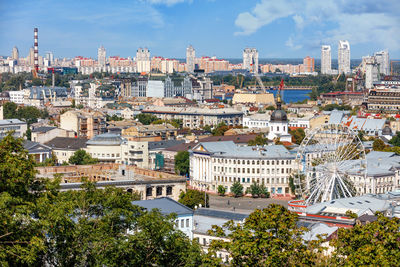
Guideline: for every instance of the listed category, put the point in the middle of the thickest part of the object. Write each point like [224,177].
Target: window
[253,162]
[149,191]
[159,191]
[182,223]
[187,222]
[204,242]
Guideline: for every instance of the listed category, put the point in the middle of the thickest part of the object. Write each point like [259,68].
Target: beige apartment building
[85,124]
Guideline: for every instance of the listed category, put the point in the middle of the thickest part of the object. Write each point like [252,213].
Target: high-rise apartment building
[101,56]
[382,58]
[143,60]
[190,58]
[15,53]
[344,57]
[49,58]
[308,63]
[31,56]
[326,61]
[250,59]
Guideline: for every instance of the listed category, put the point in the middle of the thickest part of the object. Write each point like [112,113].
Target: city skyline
[278,30]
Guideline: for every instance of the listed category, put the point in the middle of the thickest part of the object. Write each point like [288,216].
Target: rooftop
[43,129]
[67,143]
[165,205]
[106,139]
[229,149]
[192,110]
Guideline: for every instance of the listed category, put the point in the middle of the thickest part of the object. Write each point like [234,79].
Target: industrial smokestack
[36,49]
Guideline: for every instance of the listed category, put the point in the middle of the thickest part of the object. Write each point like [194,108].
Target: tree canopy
[146,119]
[182,163]
[192,198]
[81,157]
[268,237]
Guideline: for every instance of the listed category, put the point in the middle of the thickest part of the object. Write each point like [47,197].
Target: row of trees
[256,190]
[29,114]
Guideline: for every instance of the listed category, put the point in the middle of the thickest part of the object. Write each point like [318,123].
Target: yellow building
[257,99]
[319,120]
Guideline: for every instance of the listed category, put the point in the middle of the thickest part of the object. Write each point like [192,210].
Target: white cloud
[290,43]
[263,14]
[359,21]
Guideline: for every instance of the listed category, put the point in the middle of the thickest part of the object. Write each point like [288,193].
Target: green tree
[378,145]
[237,189]
[374,244]
[81,157]
[182,163]
[192,198]
[255,190]
[258,141]
[10,110]
[297,135]
[220,129]
[395,140]
[268,237]
[207,128]
[146,119]
[221,190]
[21,235]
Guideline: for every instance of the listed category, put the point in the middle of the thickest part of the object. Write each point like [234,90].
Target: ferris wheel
[326,160]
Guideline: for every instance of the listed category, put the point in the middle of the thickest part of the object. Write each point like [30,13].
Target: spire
[278,96]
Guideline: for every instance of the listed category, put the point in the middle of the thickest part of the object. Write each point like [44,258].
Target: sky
[222,28]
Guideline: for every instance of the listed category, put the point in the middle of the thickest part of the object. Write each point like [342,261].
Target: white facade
[143,60]
[155,89]
[371,72]
[17,96]
[279,129]
[223,163]
[326,61]
[344,57]
[256,121]
[190,58]
[19,127]
[250,59]
[382,58]
[101,56]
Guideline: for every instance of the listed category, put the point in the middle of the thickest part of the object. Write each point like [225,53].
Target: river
[291,96]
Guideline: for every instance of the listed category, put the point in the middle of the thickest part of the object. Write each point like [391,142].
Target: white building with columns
[223,163]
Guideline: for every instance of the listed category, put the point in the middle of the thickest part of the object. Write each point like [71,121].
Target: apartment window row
[277,180]
[252,170]
[252,162]
[102,155]
[182,223]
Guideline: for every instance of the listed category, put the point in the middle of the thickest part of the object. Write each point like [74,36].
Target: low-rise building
[19,127]
[197,117]
[64,147]
[223,163]
[105,147]
[44,134]
[38,151]
[254,99]
[168,206]
[165,131]
[84,124]
[148,184]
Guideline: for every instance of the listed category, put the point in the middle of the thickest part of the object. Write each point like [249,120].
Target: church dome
[387,130]
[278,115]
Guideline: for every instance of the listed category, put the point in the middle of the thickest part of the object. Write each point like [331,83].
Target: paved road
[242,204]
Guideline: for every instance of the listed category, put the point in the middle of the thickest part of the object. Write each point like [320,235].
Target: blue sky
[277,28]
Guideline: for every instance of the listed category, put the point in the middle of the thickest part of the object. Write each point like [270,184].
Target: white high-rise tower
[143,60]
[190,58]
[250,59]
[382,58]
[15,53]
[326,61]
[101,56]
[344,57]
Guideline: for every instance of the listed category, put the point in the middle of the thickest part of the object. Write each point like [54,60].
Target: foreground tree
[374,244]
[268,237]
